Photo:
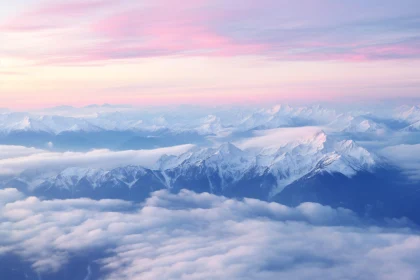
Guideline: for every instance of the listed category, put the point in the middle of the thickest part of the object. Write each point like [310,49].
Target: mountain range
[313,167]
[128,119]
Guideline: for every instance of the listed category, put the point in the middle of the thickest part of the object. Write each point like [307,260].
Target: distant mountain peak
[229,149]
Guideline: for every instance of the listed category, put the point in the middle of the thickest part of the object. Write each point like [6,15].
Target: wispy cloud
[52,14]
[406,157]
[16,159]
[234,46]
[205,28]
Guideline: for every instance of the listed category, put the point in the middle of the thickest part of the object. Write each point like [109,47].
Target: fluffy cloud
[202,236]
[9,195]
[15,159]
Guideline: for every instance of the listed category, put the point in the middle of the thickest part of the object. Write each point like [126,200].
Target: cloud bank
[279,137]
[16,159]
[202,236]
[405,157]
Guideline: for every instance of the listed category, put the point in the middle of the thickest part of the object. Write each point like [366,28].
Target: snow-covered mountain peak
[228,149]
[27,123]
[348,158]
[318,139]
[413,127]
[408,113]
[79,172]
[210,125]
[280,108]
[226,152]
[70,177]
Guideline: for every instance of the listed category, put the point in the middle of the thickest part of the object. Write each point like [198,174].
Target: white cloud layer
[202,236]
[16,159]
[10,151]
[406,157]
[278,137]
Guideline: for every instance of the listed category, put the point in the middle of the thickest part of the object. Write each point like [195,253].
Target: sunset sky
[78,52]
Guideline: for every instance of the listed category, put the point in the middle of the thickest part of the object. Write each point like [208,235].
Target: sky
[79,52]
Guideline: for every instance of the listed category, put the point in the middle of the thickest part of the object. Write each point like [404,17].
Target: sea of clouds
[202,236]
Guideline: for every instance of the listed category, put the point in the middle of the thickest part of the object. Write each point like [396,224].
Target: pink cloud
[354,52]
[168,30]
[109,29]
[392,50]
[69,7]
[52,14]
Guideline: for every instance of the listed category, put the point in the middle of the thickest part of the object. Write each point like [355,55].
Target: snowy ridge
[53,121]
[89,177]
[362,125]
[287,163]
[49,124]
[413,127]
[220,123]
[407,113]
[285,115]
[227,164]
